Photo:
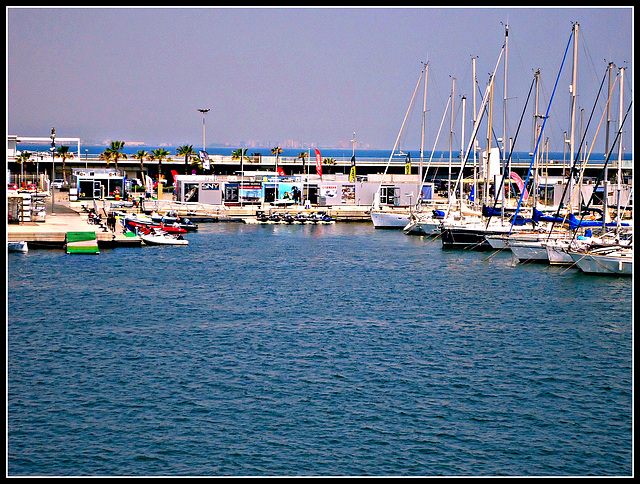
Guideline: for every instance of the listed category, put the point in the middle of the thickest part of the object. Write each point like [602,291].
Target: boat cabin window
[389,195]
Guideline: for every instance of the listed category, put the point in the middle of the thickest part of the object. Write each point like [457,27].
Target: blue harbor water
[314,351]
[340,154]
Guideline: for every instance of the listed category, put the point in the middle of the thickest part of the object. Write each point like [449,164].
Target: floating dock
[82,243]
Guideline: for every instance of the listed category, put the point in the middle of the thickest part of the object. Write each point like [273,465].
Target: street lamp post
[53,167]
[203,111]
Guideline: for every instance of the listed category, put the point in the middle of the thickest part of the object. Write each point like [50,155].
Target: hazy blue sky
[306,74]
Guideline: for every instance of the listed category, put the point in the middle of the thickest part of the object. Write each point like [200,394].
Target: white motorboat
[19,246]
[160,237]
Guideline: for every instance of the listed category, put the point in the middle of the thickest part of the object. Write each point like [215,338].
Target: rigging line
[399,134]
[436,141]
[575,161]
[541,131]
[604,167]
[595,136]
[504,174]
[493,132]
[475,130]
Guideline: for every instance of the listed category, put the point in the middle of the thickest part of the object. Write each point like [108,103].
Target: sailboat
[560,249]
[428,219]
[395,218]
[462,231]
[615,260]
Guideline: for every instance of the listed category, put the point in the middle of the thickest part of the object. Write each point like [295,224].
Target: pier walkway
[72,217]
[53,231]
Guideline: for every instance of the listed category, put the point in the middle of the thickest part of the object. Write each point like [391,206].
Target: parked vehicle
[12,186]
[58,183]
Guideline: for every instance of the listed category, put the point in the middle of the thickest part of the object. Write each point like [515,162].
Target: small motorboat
[173,219]
[20,246]
[170,229]
[287,218]
[159,237]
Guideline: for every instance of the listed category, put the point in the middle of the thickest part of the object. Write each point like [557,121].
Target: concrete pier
[52,232]
[72,217]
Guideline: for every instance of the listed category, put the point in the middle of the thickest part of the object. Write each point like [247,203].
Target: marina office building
[328,190]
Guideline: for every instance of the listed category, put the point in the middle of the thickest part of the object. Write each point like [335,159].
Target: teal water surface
[314,350]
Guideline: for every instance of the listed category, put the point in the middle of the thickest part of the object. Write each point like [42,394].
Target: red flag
[516,178]
[281,171]
[318,163]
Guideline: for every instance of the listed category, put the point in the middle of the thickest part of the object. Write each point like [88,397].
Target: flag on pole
[516,178]
[352,173]
[318,163]
[407,165]
[204,158]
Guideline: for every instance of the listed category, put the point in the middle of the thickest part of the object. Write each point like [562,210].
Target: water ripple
[314,351]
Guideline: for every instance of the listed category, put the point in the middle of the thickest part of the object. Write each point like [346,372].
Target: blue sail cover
[539,216]
[497,212]
[575,223]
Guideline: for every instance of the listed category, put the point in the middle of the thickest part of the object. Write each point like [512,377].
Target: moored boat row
[312,218]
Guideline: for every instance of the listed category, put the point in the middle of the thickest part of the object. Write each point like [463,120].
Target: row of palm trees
[62,152]
[277,151]
[115,152]
[303,155]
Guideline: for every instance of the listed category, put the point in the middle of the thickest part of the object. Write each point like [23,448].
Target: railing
[185,209]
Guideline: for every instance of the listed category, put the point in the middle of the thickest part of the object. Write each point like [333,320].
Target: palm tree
[329,161]
[241,154]
[303,156]
[106,156]
[141,155]
[63,152]
[22,159]
[188,153]
[115,149]
[276,151]
[159,154]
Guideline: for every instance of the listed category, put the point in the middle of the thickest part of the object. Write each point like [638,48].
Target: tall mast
[606,139]
[620,153]
[462,153]
[504,117]
[488,157]
[504,101]
[453,88]
[424,114]
[473,146]
[574,88]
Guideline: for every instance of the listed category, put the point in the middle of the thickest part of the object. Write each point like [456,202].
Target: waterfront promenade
[72,217]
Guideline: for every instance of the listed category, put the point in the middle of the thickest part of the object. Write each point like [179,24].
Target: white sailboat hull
[617,262]
[529,251]
[558,255]
[389,220]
